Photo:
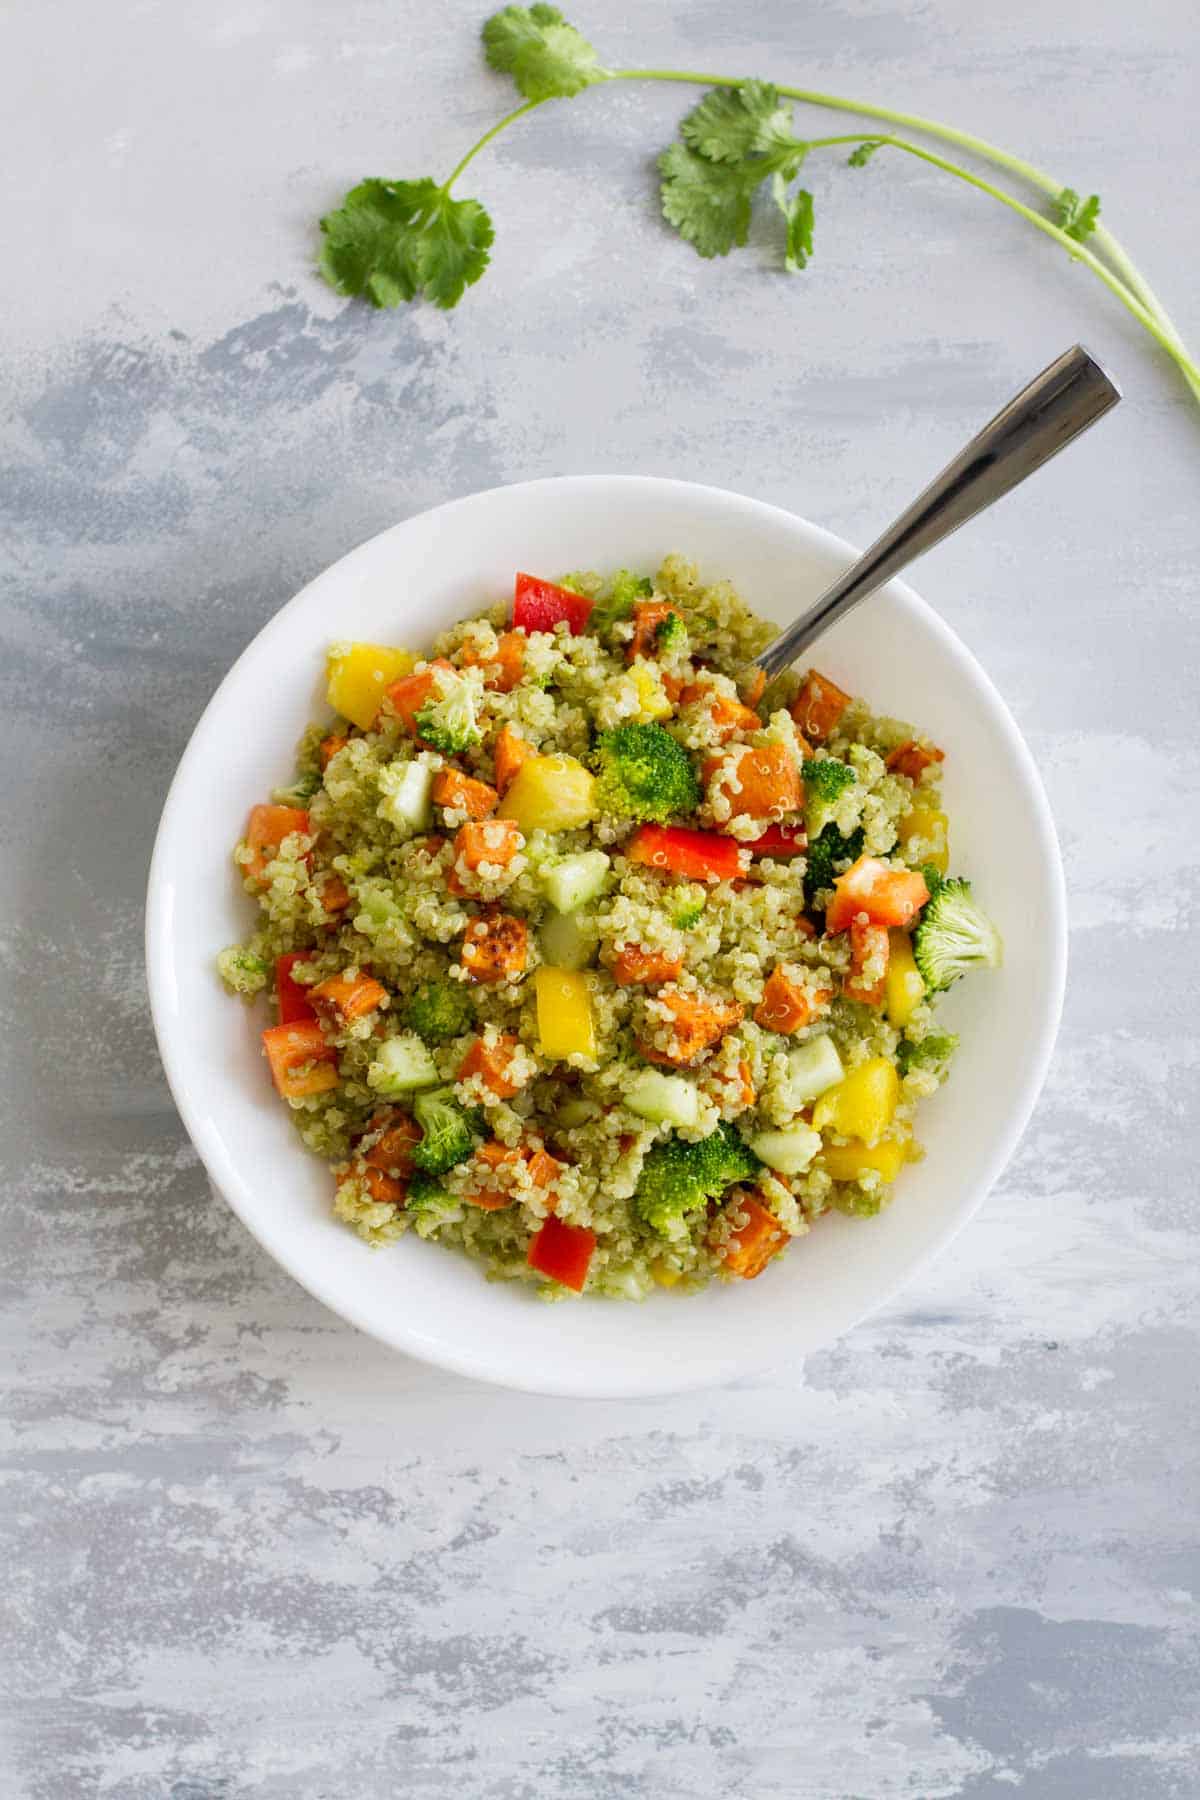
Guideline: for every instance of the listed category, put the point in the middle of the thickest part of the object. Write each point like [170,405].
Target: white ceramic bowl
[402,587]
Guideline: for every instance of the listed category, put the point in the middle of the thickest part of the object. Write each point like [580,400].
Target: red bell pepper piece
[778,840]
[700,855]
[539,605]
[294,1003]
[563,1252]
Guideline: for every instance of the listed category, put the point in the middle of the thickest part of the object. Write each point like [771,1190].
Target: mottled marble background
[250,1553]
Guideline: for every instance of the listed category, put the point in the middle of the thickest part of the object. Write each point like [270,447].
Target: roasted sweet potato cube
[747,1248]
[495,947]
[634,966]
[818,706]
[343,998]
[463,793]
[912,759]
[302,1063]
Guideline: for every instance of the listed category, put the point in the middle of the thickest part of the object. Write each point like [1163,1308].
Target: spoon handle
[1044,417]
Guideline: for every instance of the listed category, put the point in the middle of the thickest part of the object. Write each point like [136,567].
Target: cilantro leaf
[1078,218]
[861,155]
[732,141]
[798,213]
[392,240]
[547,58]
[731,124]
[453,251]
[368,247]
[708,203]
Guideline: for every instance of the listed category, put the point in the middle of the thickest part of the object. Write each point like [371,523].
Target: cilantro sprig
[1078,218]
[738,125]
[547,58]
[391,241]
[733,141]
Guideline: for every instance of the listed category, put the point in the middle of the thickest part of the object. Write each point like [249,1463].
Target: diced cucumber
[663,1099]
[402,1064]
[568,940]
[408,800]
[575,880]
[813,1067]
[790,1151]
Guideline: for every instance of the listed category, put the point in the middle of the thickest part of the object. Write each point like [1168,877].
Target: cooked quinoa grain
[592,962]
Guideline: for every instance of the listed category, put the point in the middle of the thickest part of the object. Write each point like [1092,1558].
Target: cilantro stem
[1128,284]
[1113,265]
[518,112]
[1078,251]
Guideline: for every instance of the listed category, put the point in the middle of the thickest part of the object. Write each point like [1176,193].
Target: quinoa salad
[588,956]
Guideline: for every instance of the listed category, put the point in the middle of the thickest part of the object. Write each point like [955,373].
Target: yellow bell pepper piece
[359,674]
[903,989]
[550,793]
[665,1275]
[930,824]
[566,1026]
[846,1162]
[863,1105]
[652,696]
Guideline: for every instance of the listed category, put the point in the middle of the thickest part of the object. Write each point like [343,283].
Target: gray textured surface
[252,1554]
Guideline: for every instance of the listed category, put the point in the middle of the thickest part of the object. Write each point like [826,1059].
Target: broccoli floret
[679,1178]
[670,634]
[617,603]
[644,774]
[933,1052]
[447,1138]
[242,971]
[825,782]
[428,1205]
[439,1010]
[450,722]
[933,878]
[689,913]
[422,1191]
[300,791]
[824,852]
[954,936]
[827,777]
[626,587]
[734,1160]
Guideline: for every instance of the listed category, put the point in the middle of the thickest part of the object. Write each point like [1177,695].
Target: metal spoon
[1054,409]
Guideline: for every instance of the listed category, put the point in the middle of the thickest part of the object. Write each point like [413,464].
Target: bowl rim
[227,1180]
